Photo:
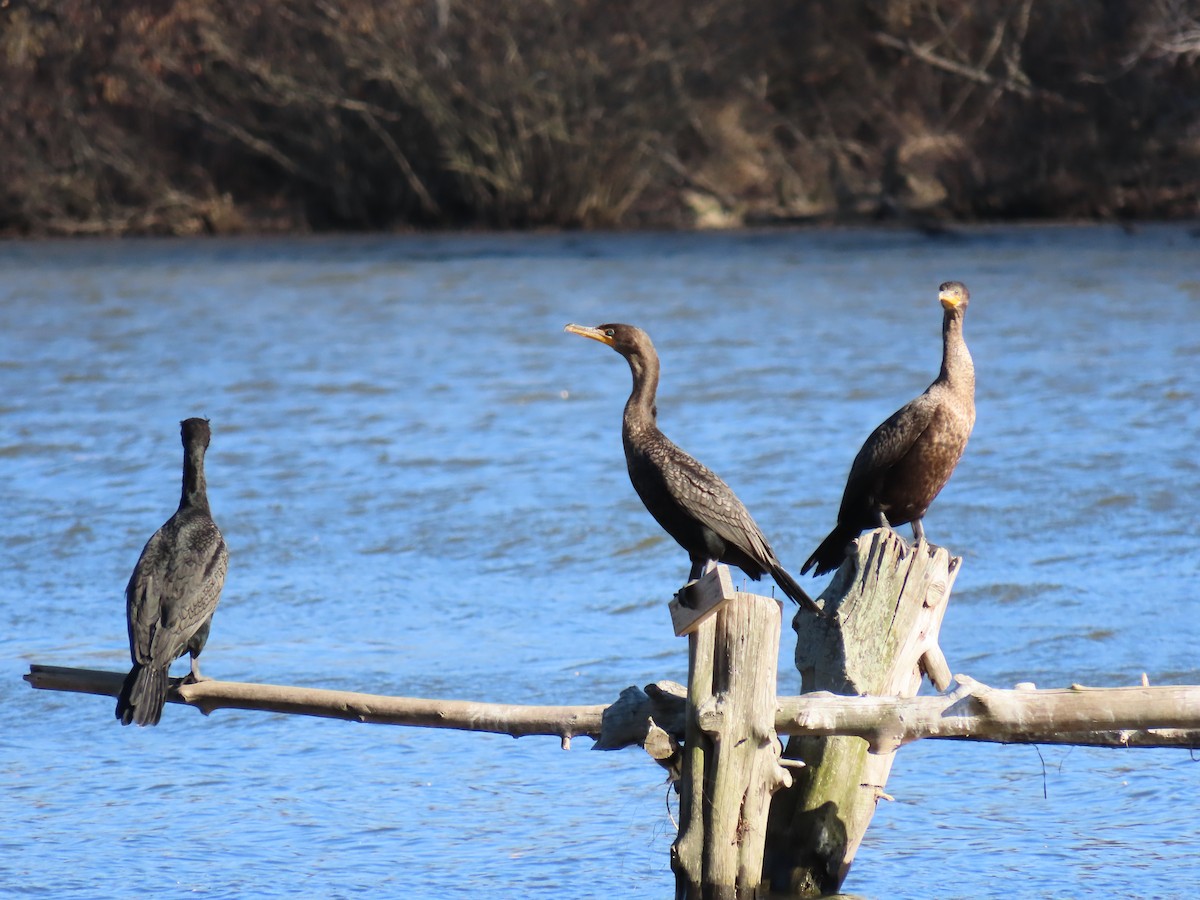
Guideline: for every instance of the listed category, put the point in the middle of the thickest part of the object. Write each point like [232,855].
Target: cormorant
[909,458]
[174,589]
[690,502]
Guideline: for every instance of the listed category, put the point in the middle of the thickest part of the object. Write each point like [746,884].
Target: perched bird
[909,458]
[690,502]
[174,589]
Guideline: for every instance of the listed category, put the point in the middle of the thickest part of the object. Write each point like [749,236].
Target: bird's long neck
[195,489]
[958,371]
[641,411]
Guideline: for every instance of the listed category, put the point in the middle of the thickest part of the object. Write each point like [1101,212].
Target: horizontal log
[207,696]
[1161,716]
[1146,738]
[974,711]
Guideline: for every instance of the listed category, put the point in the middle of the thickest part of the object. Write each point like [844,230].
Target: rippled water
[420,480]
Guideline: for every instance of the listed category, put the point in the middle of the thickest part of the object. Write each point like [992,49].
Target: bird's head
[195,432]
[628,340]
[954,296]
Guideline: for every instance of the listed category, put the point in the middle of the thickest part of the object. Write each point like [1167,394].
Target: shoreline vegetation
[175,117]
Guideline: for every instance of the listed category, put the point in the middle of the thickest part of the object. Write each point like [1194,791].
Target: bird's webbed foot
[686,595]
[918,531]
[881,521]
[194,676]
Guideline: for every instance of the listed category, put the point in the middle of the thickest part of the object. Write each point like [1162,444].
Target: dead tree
[885,607]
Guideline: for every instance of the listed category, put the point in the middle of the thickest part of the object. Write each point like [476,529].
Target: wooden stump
[731,752]
[885,605]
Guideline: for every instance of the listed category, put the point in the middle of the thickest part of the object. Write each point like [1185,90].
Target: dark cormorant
[174,589]
[690,502]
[909,458]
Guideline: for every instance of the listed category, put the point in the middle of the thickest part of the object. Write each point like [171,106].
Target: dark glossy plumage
[690,502]
[174,589]
[909,458]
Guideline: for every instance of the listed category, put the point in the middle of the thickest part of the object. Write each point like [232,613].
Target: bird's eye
[608,332]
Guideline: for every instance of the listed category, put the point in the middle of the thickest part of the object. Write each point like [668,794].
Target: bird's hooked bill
[953,295]
[594,333]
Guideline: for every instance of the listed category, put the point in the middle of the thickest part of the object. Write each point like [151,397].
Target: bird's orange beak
[950,299]
[594,333]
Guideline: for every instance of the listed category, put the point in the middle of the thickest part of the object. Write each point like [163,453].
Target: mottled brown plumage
[174,589]
[908,459]
[690,502]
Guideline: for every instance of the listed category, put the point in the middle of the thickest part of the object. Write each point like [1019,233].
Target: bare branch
[207,696]
[972,73]
[416,185]
[1167,716]
[974,711]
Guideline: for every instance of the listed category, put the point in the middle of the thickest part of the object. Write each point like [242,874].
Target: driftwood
[209,695]
[731,752]
[1162,716]
[1143,716]
[884,610]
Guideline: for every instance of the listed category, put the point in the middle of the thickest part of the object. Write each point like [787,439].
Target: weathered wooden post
[885,605]
[731,752]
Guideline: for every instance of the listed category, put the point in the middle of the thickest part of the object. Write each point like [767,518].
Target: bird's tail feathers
[789,586]
[829,555]
[143,695]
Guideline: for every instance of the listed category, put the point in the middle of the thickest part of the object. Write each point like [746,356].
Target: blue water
[420,480]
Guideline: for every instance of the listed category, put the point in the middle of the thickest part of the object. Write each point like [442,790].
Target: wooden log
[687,852]
[740,719]
[1118,716]
[1135,716]
[731,752]
[884,610]
[207,696]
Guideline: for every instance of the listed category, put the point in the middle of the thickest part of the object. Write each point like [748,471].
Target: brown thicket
[177,116]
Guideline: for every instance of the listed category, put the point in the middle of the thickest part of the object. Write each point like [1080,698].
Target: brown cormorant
[690,502]
[909,458]
[174,589]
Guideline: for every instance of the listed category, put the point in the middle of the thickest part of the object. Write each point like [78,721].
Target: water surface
[420,480]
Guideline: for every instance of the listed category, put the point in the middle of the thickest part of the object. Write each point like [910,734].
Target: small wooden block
[710,592]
